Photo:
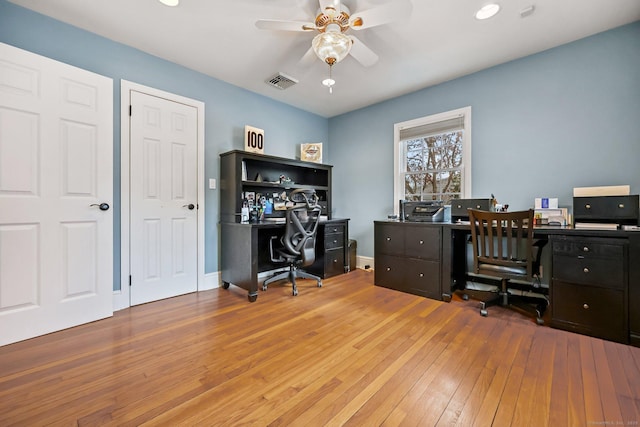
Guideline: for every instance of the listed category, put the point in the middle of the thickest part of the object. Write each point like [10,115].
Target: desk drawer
[389,271]
[423,242]
[333,228]
[590,271]
[333,241]
[590,310]
[422,277]
[615,208]
[589,248]
[389,239]
[334,262]
[415,276]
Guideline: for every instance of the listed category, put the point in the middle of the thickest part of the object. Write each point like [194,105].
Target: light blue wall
[228,108]
[541,125]
[567,117]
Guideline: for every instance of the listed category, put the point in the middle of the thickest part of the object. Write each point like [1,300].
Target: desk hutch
[245,245]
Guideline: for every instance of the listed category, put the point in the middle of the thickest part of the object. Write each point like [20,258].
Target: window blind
[436,128]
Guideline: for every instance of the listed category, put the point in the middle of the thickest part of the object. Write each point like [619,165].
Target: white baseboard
[211,281]
[362,261]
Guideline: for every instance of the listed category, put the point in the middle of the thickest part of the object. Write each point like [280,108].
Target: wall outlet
[212,183]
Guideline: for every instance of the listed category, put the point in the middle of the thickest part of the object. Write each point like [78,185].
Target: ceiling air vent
[281,81]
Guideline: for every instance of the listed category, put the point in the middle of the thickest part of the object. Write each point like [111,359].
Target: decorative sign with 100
[253,139]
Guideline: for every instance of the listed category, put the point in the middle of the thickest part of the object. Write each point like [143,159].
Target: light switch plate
[212,183]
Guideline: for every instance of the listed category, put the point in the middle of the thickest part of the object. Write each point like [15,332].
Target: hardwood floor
[350,353]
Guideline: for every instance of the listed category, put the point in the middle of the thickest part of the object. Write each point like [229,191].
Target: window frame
[398,184]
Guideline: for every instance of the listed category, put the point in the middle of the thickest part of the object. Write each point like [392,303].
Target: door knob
[102,206]
[191,206]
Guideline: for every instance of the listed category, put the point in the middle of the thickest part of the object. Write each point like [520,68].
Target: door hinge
[130,110]
[129,280]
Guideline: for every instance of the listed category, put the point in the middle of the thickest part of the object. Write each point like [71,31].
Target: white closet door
[163,197]
[56,168]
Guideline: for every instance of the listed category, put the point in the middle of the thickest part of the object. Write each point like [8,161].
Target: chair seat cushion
[498,270]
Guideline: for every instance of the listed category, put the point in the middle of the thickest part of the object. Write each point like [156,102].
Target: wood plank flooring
[349,353]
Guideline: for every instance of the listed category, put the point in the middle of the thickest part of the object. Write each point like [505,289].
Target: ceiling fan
[333,21]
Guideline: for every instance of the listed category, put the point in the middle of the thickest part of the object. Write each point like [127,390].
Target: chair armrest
[271,251]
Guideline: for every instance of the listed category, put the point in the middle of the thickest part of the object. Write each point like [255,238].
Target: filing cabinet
[334,249]
[332,238]
[407,257]
[589,292]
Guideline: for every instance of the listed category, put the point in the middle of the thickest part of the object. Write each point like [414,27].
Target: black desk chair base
[291,276]
[528,305]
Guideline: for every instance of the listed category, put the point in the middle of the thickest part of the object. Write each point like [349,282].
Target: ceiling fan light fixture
[328,82]
[487,11]
[170,3]
[331,46]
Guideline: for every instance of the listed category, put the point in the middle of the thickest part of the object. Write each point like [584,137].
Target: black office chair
[503,248]
[298,244]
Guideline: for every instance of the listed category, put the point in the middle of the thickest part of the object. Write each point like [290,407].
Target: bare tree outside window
[434,167]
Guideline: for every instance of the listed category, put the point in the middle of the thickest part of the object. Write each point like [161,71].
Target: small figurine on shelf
[285,180]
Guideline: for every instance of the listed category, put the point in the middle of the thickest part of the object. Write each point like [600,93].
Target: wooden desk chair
[298,244]
[503,249]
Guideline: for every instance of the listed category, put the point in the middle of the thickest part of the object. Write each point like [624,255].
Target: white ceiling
[440,41]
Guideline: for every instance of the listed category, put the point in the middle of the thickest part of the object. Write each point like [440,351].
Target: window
[433,157]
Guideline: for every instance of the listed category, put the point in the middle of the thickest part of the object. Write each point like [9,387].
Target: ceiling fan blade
[389,12]
[362,53]
[275,24]
[308,59]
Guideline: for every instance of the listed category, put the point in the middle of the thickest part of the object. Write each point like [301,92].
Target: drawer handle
[585,249]
[587,206]
[388,239]
[335,260]
[422,242]
[585,306]
[388,268]
[586,270]
[621,205]
[421,274]
[335,241]
[335,230]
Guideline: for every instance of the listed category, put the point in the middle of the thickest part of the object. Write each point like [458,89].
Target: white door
[56,168]
[163,198]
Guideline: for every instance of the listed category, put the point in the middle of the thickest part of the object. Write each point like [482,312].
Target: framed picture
[311,152]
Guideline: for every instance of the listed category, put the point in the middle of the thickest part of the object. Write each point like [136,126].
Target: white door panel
[56,143]
[163,176]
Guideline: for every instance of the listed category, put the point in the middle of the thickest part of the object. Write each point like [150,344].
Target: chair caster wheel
[540,321]
[295,292]
[264,287]
[484,313]
[252,298]
[319,284]
[465,297]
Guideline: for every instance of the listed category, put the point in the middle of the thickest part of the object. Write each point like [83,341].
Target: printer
[421,211]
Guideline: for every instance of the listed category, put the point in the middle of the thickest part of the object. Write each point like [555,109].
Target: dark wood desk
[594,282]
[245,252]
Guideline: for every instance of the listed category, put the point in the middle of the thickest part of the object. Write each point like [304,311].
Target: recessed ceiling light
[170,2]
[488,11]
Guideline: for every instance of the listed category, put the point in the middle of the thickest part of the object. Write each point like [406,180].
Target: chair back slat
[502,239]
